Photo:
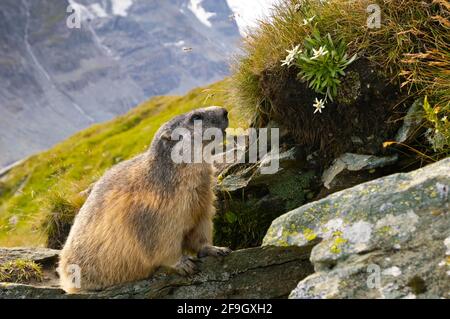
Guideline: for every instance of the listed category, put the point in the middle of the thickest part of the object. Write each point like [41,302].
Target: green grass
[20,271]
[50,182]
[412,49]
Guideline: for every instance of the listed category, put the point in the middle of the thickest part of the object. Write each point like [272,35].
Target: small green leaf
[230,217]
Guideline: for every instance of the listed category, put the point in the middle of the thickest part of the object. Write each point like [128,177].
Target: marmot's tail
[69,278]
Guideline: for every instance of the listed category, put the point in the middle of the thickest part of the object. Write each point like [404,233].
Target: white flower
[319,53]
[444,119]
[307,21]
[318,105]
[291,56]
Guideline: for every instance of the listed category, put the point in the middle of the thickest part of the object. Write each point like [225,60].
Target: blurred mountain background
[56,80]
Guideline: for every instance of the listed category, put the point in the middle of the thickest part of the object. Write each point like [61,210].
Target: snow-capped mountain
[56,80]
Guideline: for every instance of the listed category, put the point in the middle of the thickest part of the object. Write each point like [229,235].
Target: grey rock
[38,255]
[411,121]
[388,238]
[19,291]
[355,162]
[267,272]
[251,174]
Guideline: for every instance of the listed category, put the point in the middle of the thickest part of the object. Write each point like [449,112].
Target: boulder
[387,238]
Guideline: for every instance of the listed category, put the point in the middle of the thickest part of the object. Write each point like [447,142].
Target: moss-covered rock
[396,228]
[250,201]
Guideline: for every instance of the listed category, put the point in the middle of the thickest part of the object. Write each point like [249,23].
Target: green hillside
[50,182]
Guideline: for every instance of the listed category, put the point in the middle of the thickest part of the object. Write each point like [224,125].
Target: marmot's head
[201,125]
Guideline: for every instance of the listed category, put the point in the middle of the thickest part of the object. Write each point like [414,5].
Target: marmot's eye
[196,117]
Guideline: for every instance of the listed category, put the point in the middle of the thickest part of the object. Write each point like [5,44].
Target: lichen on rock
[399,223]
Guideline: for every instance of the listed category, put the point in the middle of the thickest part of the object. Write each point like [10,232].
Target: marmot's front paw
[186,266]
[213,251]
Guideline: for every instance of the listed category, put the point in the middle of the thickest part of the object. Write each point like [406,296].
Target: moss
[244,216]
[248,225]
[20,271]
[292,186]
[417,285]
[350,89]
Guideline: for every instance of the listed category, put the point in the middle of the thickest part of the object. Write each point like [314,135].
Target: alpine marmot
[144,213]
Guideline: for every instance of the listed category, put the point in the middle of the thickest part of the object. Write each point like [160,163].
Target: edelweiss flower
[318,105]
[291,56]
[306,21]
[319,53]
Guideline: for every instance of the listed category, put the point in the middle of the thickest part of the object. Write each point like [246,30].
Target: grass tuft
[20,271]
[62,211]
[411,48]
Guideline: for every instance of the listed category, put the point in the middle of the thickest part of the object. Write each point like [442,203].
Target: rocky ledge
[247,273]
[387,238]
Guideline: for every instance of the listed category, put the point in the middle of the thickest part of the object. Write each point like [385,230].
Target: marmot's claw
[225,251]
[213,251]
[186,266]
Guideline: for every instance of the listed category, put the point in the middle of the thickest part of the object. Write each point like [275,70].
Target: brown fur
[135,221]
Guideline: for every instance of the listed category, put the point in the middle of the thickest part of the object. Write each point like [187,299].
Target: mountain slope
[56,80]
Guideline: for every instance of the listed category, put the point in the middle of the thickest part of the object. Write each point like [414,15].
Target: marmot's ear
[166,135]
